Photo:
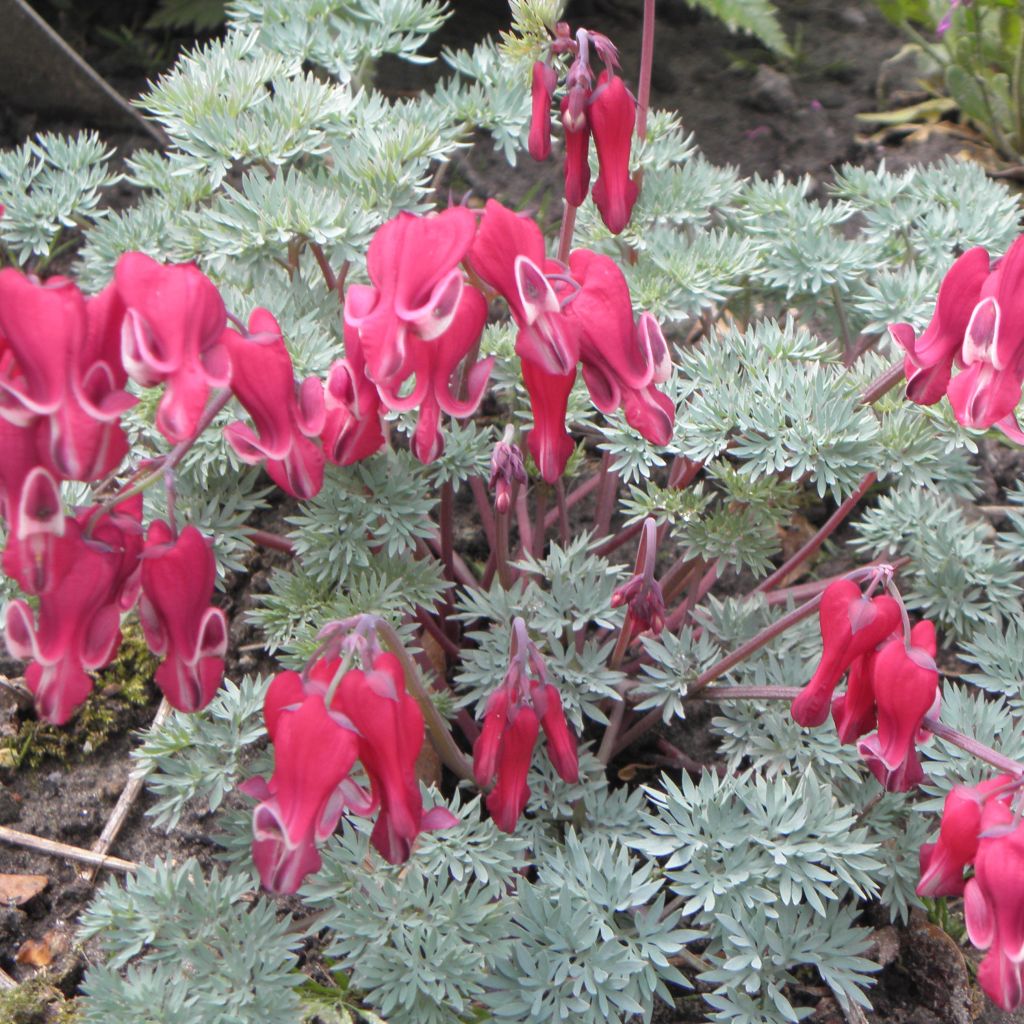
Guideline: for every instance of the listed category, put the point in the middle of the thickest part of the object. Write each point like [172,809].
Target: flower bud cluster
[604,110]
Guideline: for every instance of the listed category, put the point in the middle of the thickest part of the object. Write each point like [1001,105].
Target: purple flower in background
[947,18]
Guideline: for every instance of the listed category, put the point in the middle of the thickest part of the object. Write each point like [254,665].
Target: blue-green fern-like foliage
[608,897]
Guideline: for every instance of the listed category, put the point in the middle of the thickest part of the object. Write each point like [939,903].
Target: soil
[746,109]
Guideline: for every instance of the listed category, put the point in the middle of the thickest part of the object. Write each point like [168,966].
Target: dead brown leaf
[41,952]
[16,890]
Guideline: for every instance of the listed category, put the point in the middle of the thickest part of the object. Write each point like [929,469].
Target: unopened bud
[507,468]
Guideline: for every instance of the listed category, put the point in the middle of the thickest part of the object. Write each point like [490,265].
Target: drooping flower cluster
[369,717]
[418,319]
[980,829]
[524,704]
[565,315]
[977,326]
[604,110]
[64,362]
[892,681]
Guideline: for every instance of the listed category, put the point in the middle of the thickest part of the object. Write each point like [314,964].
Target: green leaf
[752,17]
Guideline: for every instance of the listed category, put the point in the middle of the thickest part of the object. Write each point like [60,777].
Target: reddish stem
[574,497]
[697,594]
[643,98]
[325,267]
[741,653]
[565,232]
[830,526]
[266,539]
[483,507]
[882,385]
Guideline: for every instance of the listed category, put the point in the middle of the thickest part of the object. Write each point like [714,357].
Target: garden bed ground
[744,109]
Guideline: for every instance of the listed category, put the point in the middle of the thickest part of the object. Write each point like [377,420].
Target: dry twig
[15,838]
[124,804]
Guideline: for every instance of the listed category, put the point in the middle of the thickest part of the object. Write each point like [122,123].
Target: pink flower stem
[605,751]
[562,510]
[446,747]
[605,496]
[274,541]
[166,462]
[741,653]
[624,536]
[446,522]
[698,591]
[882,385]
[802,591]
[830,526]
[540,512]
[460,571]
[483,507]
[643,98]
[426,620]
[565,232]
[574,497]
[500,549]
[325,268]
[678,576]
[523,522]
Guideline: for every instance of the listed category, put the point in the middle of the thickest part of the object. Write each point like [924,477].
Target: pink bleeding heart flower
[854,711]
[508,255]
[172,333]
[179,624]
[303,801]
[943,862]
[987,390]
[513,729]
[906,683]
[958,293]
[513,716]
[542,88]
[622,361]
[352,425]
[389,724]
[60,374]
[413,263]
[611,115]
[37,554]
[43,326]
[851,625]
[994,905]
[79,618]
[926,385]
[286,414]
[20,457]
[434,364]
[548,440]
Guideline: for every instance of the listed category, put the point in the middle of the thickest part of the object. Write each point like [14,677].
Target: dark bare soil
[744,109]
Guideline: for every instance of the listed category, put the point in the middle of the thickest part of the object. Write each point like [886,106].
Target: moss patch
[123,686]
